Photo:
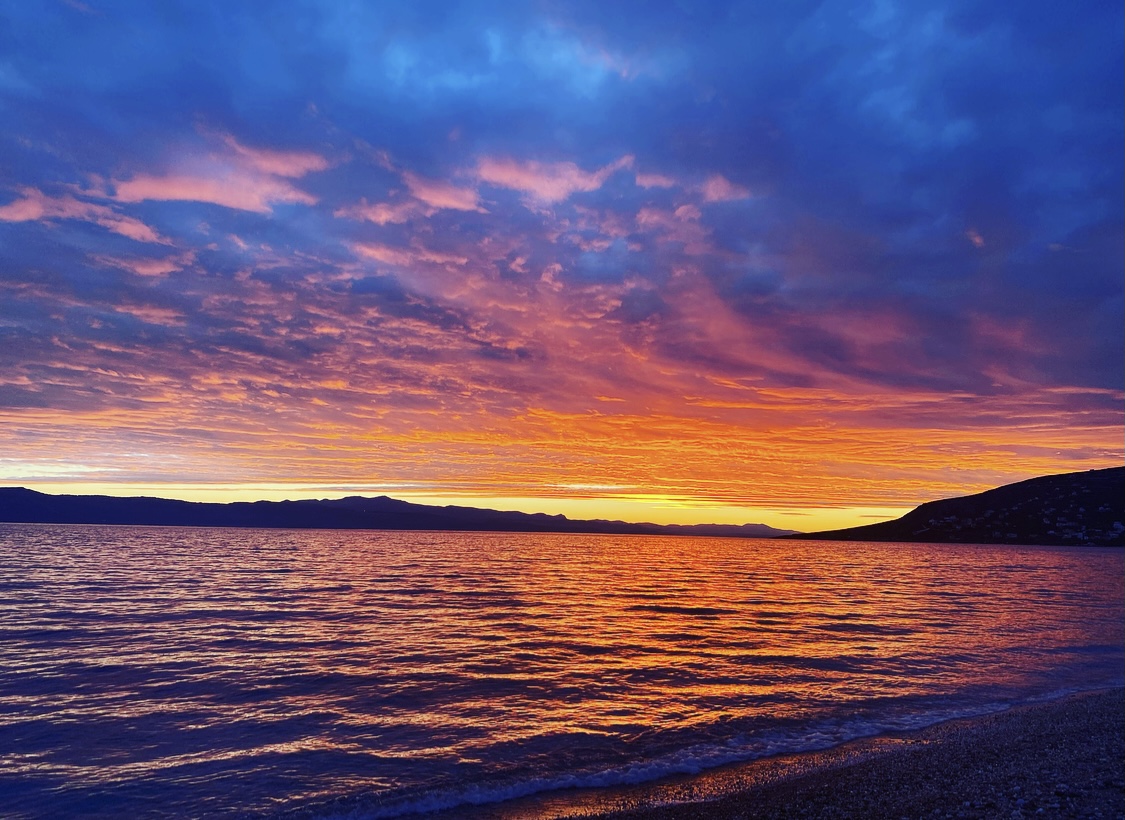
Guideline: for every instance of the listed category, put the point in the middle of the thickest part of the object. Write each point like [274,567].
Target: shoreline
[1057,758]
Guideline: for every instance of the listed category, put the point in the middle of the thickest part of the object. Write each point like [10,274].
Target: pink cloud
[649,218]
[718,188]
[441,194]
[35,206]
[655,181]
[130,227]
[546,182]
[440,258]
[681,225]
[245,179]
[277,163]
[142,266]
[149,314]
[429,196]
[608,223]
[383,253]
[598,245]
[384,213]
[233,189]
[406,257]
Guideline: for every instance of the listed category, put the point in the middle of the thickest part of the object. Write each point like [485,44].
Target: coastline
[1061,758]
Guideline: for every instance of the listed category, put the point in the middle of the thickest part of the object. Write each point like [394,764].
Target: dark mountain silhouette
[18,504]
[1073,508]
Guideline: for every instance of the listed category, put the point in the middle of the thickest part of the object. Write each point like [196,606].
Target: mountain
[1069,509]
[18,504]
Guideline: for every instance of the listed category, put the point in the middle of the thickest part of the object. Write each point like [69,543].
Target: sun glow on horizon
[632,508]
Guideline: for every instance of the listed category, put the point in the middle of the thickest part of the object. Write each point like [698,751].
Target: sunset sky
[802,263]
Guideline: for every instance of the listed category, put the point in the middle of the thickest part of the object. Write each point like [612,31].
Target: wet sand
[1065,758]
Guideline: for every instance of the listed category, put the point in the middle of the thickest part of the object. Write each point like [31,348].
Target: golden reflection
[363,659]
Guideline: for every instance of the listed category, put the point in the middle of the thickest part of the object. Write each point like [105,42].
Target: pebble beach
[1063,758]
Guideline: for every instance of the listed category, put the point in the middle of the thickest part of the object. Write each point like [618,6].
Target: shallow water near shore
[178,671]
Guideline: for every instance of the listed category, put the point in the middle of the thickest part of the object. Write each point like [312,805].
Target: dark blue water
[166,671]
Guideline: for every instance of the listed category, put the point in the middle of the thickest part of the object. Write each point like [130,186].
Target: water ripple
[163,671]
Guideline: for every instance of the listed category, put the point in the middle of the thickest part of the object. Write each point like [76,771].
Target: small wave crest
[819,735]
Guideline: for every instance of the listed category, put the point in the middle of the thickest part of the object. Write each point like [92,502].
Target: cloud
[152,315]
[246,179]
[441,194]
[718,188]
[231,188]
[406,257]
[655,181]
[149,266]
[35,206]
[546,182]
[428,196]
[930,220]
[384,213]
[383,253]
[681,225]
[277,163]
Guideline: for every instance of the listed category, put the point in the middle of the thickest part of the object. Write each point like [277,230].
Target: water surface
[177,671]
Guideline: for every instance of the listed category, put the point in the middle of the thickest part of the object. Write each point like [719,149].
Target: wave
[695,759]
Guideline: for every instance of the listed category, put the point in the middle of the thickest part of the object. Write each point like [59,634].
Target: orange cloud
[511,372]
[619,416]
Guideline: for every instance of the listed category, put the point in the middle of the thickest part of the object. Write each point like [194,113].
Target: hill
[1069,509]
[18,504]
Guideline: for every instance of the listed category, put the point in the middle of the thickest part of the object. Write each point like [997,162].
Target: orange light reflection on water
[370,660]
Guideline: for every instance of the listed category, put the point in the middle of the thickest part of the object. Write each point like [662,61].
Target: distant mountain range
[18,504]
[1069,509]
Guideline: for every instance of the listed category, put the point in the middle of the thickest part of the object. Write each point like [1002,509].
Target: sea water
[150,671]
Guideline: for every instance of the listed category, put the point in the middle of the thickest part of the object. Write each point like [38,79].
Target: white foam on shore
[693,760]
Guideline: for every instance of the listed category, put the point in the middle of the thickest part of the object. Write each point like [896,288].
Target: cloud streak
[247,179]
[32,205]
[546,182]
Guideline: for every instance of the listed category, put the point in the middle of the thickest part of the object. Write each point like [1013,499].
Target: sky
[804,263]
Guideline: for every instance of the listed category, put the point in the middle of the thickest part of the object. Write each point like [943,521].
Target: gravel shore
[1065,758]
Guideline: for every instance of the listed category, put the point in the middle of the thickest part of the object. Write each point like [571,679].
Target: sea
[190,672]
